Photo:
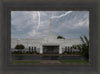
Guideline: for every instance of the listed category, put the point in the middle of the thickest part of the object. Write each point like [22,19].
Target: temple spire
[50,26]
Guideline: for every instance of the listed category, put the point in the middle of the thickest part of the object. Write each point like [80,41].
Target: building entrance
[51,49]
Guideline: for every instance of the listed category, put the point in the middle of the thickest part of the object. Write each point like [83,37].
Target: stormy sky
[35,24]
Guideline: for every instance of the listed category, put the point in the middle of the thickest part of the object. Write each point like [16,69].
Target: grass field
[25,62]
[73,61]
[62,61]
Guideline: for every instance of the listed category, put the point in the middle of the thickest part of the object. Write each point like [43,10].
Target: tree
[19,47]
[60,37]
[84,48]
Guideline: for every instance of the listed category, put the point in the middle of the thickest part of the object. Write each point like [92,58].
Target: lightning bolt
[61,15]
[38,19]
[34,31]
[53,17]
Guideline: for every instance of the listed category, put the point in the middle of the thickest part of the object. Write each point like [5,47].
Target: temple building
[48,44]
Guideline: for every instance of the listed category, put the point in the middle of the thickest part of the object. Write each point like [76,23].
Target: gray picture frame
[5,37]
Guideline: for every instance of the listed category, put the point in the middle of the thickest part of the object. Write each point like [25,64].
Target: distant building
[48,44]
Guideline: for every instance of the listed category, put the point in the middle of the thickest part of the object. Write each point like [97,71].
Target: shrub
[19,46]
[60,37]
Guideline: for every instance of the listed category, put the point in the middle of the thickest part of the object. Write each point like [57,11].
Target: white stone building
[49,43]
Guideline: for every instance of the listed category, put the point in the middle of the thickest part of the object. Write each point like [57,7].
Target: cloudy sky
[35,24]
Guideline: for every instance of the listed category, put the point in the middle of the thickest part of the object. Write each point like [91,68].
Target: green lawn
[25,62]
[62,61]
[73,61]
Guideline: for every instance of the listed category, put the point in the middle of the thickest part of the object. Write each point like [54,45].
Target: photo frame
[48,55]
[92,68]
